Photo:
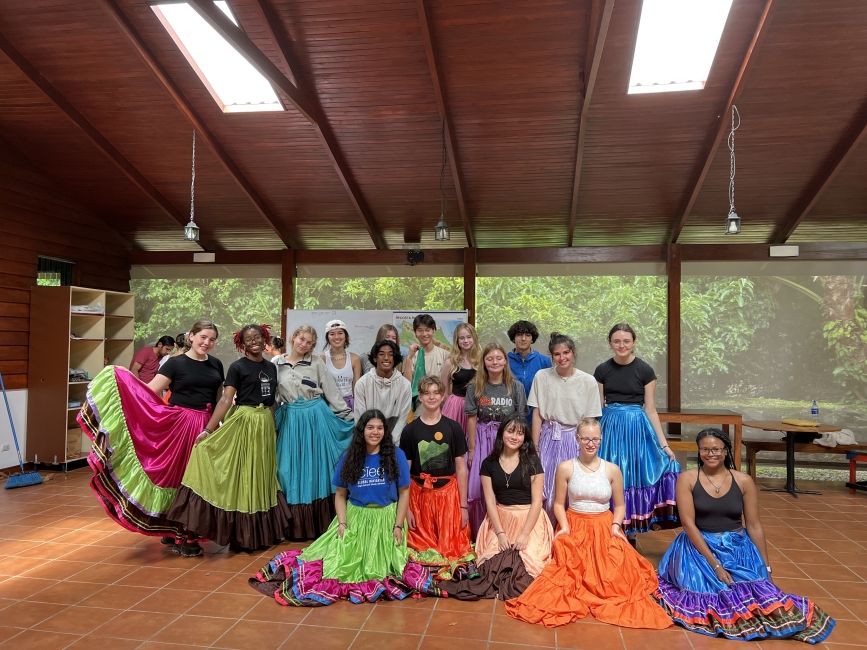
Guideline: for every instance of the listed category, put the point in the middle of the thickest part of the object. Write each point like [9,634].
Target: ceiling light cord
[193,181]
[736,123]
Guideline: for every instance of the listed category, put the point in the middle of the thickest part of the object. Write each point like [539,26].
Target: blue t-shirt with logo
[373,488]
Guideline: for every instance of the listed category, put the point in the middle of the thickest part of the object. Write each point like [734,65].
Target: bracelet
[666,447]
[768,568]
[464,508]
[618,524]
[716,566]
[396,526]
[500,532]
[340,523]
[207,430]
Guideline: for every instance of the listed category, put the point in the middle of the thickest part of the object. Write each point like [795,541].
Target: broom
[22,479]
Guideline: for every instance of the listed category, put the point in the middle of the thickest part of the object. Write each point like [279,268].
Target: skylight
[234,84]
[677,43]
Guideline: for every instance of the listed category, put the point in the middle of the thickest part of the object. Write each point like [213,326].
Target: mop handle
[11,423]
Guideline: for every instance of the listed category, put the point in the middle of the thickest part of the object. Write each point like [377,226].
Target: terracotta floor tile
[255,634]
[800,556]
[267,609]
[135,625]
[392,619]
[15,565]
[342,614]
[112,643]
[67,592]
[26,614]
[203,580]
[306,637]
[232,606]
[455,624]
[380,640]
[57,569]
[149,576]
[194,630]
[670,639]
[38,640]
[158,645]
[828,572]
[853,632]
[591,636]
[429,642]
[101,573]
[13,546]
[7,632]
[788,570]
[44,550]
[857,607]
[234,562]
[482,606]
[802,587]
[702,642]
[77,620]
[508,630]
[116,596]
[169,601]
[83,537]
[508,646]
[836,609]
[845,590]
[854,559]
[237,584]
[89,554]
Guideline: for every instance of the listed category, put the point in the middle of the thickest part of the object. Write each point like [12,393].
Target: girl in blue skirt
[632,436]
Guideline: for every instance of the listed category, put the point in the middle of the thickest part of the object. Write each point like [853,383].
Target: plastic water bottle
[814,411]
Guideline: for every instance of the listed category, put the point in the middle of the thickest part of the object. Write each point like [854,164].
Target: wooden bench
[755,446]
[854,457]
[727,419]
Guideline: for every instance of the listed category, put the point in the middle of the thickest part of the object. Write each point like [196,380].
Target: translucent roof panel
[234,84]
[676,45]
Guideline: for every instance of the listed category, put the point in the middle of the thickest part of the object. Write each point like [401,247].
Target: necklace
[716,487]
[587,467]
[508,474]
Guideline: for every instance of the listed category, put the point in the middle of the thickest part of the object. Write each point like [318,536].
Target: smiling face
[203,341]
[514,435]
[495,361]
[336,338]
[589,438]
[523,343]
[425,335]
[303,343]
[431,397]
[465,338]
[384,361]
[712,452]
[623,345]
[254,343]
[374,431]
[563,357]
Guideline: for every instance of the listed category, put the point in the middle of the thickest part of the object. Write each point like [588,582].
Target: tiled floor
[70,578]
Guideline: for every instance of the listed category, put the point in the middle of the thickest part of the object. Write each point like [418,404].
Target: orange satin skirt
[512,518]
[438,536]
[593,573]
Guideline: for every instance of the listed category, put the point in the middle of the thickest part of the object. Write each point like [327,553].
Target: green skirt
[366,551]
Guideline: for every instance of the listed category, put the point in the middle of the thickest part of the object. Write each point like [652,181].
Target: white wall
[18,405]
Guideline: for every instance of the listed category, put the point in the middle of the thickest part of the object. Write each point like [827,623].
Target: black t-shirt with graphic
[432,449]
[254,381]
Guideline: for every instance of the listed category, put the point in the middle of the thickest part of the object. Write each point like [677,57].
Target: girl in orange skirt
[594,572]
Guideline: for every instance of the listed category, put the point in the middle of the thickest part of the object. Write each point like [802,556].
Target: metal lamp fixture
[441,230]
[191,230]
[733,221]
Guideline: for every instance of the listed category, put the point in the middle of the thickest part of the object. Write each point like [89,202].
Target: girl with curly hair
[229,492]
[363,554]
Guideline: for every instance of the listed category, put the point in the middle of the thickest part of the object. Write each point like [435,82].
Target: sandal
[168,541]
[189,549]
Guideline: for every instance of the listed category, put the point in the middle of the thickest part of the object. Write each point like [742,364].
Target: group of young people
[441,472]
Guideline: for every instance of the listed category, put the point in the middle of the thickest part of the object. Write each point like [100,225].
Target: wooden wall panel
[36,219]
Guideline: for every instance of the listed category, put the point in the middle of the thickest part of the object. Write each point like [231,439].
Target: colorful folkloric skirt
[649,475]
[454,408]
[512,519]
[486,433]
[556,444]
[593,573]
[310,440]
[438,540]
[365,565]
[752,607]
[229,492]
[140,450]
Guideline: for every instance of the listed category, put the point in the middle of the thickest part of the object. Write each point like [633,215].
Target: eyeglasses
[712,451]
[590,441]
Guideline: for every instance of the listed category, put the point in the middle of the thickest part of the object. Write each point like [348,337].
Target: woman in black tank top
[715,578]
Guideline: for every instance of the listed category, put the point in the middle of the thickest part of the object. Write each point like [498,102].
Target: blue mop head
[23,479]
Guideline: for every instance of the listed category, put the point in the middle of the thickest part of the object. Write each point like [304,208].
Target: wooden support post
[673,272]
[470,284]
[287,296]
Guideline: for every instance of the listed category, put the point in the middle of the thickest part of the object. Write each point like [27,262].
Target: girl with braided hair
[229,492]
[363,554]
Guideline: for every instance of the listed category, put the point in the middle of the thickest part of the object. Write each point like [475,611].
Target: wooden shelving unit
[71,328]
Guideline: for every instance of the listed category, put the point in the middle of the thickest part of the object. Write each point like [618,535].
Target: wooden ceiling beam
[722,126]
[445,115]
[301,96]
[93,134]
[198,123]
[833,163]
[597,31]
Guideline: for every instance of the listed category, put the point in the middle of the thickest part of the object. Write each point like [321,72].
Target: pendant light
[191,230]
[733,221]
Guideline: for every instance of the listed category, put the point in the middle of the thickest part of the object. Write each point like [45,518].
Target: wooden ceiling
[545,148]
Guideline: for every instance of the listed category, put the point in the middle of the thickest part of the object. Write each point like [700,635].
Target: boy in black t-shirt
[439,534]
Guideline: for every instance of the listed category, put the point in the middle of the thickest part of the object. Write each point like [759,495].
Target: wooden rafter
[591,72]
[94,135]
[445,116]
[301,96]
[198,123]
[833,163]
[722,126]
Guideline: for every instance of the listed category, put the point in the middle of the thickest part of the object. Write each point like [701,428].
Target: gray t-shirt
[497,401]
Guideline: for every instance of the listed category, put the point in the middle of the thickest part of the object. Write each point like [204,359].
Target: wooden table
[722,417]
[791,432]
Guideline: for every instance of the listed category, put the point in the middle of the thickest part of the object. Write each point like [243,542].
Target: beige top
[565,400]
[433,360]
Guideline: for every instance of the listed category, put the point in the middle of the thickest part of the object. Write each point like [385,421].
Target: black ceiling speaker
[414,257]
